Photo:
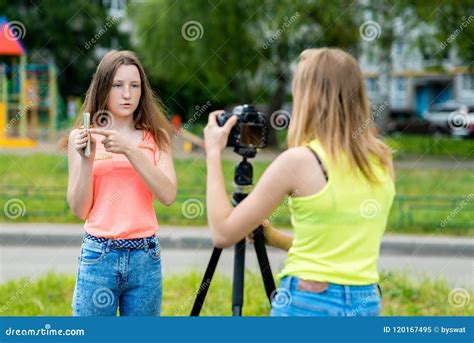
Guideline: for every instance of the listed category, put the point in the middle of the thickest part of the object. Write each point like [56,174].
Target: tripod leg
[206,282]
[238,282]
[264,263]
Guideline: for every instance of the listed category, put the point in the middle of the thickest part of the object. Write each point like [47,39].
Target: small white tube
[87,118]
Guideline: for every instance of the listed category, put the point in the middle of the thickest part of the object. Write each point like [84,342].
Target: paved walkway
[185,237]
[32,250]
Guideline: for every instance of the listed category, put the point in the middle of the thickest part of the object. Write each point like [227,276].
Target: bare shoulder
[295,155]
[305,173]
[292,161]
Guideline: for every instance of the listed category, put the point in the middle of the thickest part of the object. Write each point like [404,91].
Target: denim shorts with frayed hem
[111,279]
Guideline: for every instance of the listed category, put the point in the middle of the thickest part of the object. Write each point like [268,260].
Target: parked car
[409,125]
[454,118]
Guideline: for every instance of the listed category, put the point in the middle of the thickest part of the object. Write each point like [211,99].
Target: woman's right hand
[80,143]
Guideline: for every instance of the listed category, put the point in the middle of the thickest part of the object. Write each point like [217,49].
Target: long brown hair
[149,114]
[330,103]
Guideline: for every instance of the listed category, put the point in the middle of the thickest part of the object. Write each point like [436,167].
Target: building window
[468,82]
[400,84]
[372,85]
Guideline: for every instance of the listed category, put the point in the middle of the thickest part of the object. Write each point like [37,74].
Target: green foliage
[196,49]
[62,32]
[453,21]
[244,53]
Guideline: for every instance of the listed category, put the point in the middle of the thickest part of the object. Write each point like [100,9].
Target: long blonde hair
[330,103]
[149,114]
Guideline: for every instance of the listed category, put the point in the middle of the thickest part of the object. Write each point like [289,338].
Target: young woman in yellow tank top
[339,176]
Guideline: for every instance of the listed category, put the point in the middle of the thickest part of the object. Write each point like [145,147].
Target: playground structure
[28,94]
[29,98]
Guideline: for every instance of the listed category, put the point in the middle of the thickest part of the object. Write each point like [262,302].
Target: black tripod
[242,182]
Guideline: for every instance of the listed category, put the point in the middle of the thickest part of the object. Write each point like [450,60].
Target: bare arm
[160,179]
[229,225]
[277,238]
[80,186]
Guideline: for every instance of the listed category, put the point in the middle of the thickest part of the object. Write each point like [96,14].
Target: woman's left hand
[215,136]
[113,141]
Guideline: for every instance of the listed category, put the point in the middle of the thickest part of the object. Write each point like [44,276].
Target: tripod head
[248,152]
[243,175]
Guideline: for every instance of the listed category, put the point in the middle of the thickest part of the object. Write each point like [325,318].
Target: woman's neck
[123,124]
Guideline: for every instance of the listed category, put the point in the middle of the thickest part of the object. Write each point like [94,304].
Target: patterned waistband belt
[136,243]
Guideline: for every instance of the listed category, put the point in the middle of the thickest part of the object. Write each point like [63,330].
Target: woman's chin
[123,113]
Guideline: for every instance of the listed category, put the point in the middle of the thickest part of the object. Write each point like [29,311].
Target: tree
[65,32]
[454,23]
[194,52]
[241,51]
[289,27]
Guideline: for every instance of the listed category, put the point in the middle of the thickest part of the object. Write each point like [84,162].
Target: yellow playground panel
[28,94]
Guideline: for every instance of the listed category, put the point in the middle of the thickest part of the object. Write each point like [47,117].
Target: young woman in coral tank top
[113,189]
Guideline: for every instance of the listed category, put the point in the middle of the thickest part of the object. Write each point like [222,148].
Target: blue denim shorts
[111,279]
[335,300]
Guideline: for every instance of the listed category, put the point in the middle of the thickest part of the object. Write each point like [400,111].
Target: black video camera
[249,133]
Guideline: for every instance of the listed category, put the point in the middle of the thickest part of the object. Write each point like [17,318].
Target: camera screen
[251,135]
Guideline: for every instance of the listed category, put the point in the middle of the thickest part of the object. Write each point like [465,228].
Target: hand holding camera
[215,136]
[245,129]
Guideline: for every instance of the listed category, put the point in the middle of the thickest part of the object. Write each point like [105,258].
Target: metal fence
[43,203]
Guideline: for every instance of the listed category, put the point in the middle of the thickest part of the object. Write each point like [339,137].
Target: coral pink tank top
[122,203]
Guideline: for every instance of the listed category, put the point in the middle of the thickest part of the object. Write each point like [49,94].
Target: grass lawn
[430,146]
[40,182]
[51,296]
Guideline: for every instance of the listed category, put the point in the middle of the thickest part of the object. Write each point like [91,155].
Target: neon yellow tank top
[338,231]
